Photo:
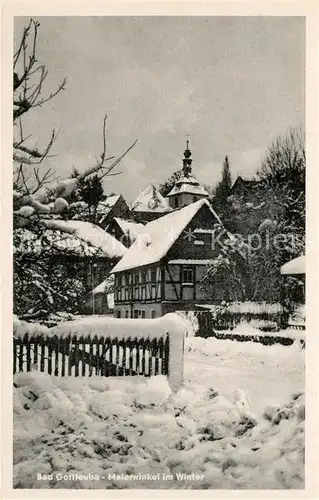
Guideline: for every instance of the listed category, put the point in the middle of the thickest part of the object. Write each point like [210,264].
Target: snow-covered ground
[269,374]
[237,423]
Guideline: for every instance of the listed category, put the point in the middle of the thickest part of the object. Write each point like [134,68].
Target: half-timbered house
[162,271]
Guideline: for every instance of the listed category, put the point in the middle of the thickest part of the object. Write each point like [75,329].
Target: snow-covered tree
[38,194]
[168,185]
[271,226]
[222,190]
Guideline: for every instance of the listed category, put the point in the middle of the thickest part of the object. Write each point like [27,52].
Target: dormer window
[176,202]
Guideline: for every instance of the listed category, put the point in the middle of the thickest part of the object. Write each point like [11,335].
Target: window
[153,291]
[152,313]
[188,275]
[176,202]
[143,314]
[126,313]
[118,314]
[143,292]
[194,199]
[153,275]
[144,276]
[135,313]
[137,277]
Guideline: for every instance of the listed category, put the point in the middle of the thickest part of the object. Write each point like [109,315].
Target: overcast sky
[233,84]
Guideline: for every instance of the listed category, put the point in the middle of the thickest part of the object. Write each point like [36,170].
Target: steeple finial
[187,161]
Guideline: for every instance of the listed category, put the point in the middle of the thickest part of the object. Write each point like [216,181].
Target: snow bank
[21,328]
[191,322]
[105,326]
[120,430]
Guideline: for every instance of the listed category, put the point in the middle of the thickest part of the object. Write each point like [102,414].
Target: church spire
[187,161]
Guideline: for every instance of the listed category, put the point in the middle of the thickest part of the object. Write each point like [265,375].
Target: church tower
[187,189]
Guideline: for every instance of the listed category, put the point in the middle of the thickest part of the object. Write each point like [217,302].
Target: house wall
[138,310]
[100,305]
[181,199]
[172,284]
[177,290]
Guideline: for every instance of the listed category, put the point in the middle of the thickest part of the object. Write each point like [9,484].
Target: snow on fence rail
[103,346]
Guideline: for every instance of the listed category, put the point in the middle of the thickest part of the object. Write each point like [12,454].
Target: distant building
[149,205]
[162,271]
[186,189]
[124,231]
[296,268]
[244,188]
[102,214]
[113,206]
[101,299]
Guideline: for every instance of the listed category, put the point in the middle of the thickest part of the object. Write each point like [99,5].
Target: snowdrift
[137,433]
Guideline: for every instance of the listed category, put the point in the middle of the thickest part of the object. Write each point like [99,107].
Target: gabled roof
[105,207]
[130,229]
[158,236]
[250,183]
[150,200]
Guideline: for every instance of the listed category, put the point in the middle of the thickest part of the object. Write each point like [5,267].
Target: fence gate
[205,325]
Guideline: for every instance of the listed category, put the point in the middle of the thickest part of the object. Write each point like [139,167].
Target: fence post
[176,359]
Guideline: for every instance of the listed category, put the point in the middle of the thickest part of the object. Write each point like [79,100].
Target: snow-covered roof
[73,237]
[97,237]
[105,207]
[106,286]
[111,200]
[294,266]
[150,200]
[158,236]
[188,184]
[130,229]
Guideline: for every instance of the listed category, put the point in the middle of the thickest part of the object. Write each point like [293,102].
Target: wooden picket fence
[86,356]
